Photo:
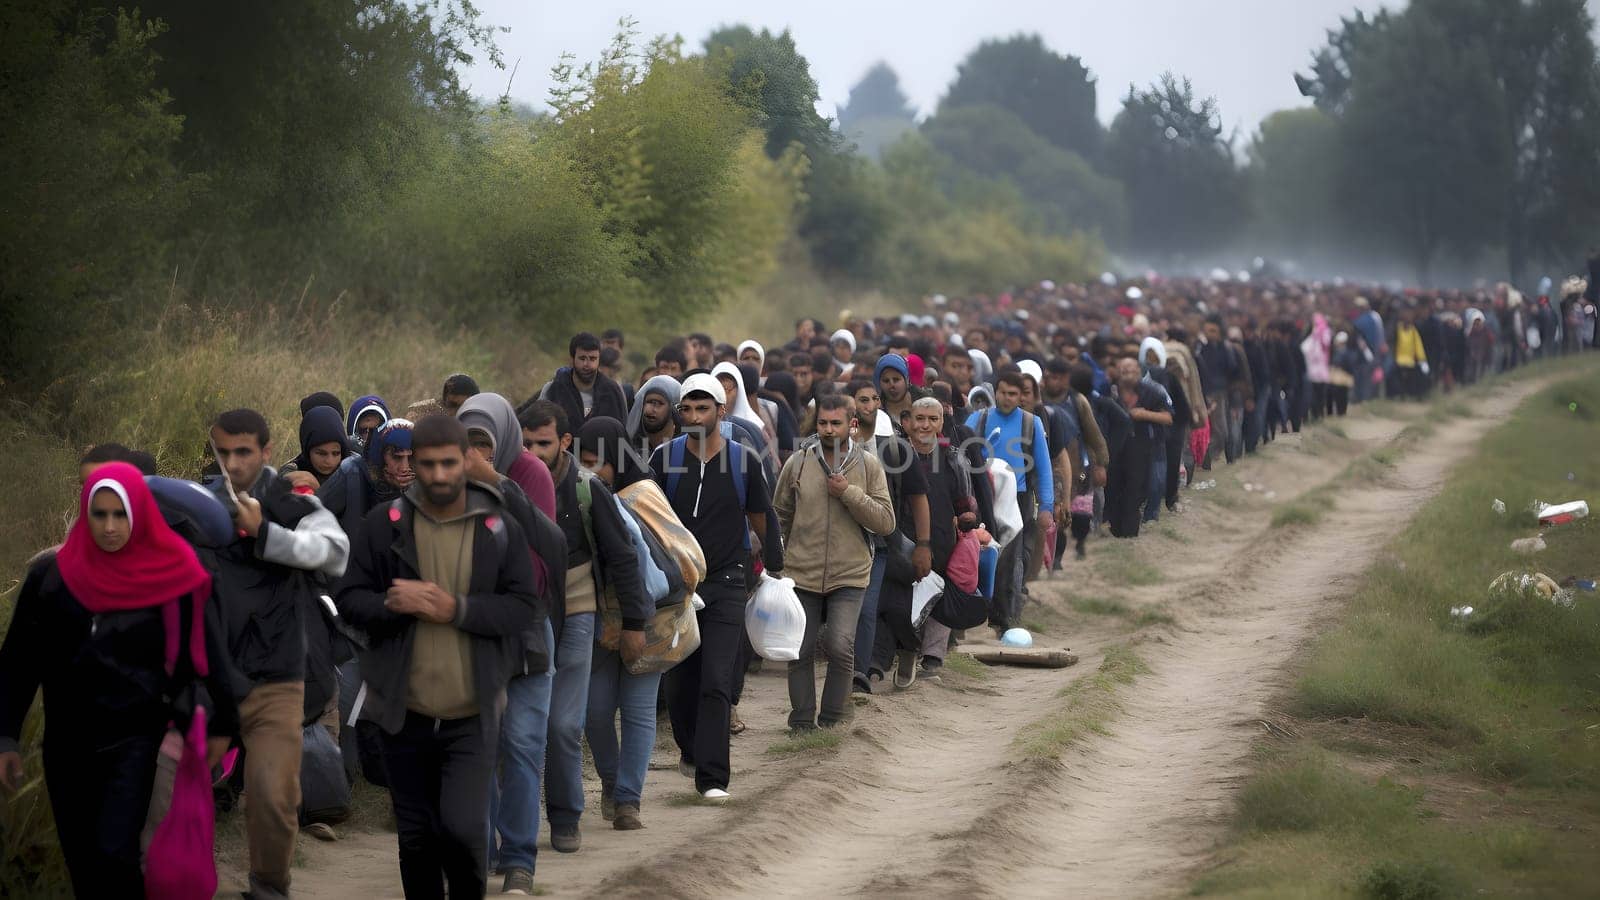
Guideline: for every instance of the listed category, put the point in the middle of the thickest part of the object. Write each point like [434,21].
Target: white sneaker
[715,795]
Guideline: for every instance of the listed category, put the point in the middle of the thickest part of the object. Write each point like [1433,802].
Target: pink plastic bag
[962,569]
[1199,443]
[1083,505]
[180,864]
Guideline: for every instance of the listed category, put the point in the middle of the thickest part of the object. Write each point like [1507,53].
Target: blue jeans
[514,808]
[569,698]
[867,624]
[612,689]
[1158,481]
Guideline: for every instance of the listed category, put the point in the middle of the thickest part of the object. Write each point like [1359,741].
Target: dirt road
[926,795]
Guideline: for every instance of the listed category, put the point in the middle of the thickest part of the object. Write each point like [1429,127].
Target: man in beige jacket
[829,495]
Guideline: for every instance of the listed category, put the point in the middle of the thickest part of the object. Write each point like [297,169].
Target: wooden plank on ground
[1033,657]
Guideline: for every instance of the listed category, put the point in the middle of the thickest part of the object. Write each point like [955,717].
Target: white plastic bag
[775,620]
[924,592]
[1008,517]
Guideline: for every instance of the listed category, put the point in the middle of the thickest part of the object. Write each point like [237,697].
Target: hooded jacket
[498,607]
[363,405]
[563,391]
[265,580]
[665,385]
[825,549]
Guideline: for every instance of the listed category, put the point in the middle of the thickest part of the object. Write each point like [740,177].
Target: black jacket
[608,399]
[268,581]
[617,567]
[499,606]
[104,676]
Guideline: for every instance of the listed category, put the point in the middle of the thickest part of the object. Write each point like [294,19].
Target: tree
[1328,85]
[877,113]
[766,73]
[1053,94]
[1425,156]
[1293,174]
[1063,192]
[1184,193]
[844,216]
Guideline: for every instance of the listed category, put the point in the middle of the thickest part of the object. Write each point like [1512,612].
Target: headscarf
[738,403]
[761,354]
[151,569]
[916,370]
[1153,343]
[665,385]
[980,390]
[607,439]
[320,425]
[890,361]
[362,406]
[321,398]
[982,368]
[1473,315]
[494,415]
[846,335]
[394,433]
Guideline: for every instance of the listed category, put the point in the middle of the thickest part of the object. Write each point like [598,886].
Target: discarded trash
[1016,637]
[1516,585]
[1562,513]
[1528,545]
[1270,495]
[1499,506]
[1205,485]
[1460,612]
[1576,583]
[1249,487]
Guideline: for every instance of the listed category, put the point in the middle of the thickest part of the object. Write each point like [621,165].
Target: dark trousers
[700,689]
[1127,483]
[1338,400]
[439,780]
[1177,442]
[1319,400]
[894,631]
[100,799]
[1010,583]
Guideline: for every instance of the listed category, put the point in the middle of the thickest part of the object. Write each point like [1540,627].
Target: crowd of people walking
[458,595]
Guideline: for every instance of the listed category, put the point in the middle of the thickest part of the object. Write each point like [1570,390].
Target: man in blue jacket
[1017,436]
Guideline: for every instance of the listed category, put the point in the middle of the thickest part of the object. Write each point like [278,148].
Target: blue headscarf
[395,433]
[362,406]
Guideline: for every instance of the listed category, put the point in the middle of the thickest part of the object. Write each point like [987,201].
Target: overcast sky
[1243,52]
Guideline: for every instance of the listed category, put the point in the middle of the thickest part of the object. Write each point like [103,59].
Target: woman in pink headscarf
[119,629]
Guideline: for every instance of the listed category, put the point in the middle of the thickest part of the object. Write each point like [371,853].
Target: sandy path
[923,795]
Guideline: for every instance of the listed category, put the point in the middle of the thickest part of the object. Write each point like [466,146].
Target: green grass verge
[807,740]
[965,665]
[1444,757]
[1307,510]
[1089,703]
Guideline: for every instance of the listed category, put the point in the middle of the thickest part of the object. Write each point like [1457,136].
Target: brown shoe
[627,817]
[735,724]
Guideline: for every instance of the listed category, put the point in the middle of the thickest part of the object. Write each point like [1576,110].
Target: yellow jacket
[1408,352]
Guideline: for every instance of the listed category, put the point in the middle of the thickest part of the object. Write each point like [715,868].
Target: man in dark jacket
[600,558]
[1219,366]
[269,605]
[442,583]
[581,389]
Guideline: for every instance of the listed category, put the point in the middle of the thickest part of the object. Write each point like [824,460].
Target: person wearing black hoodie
[581,389]
[600,558]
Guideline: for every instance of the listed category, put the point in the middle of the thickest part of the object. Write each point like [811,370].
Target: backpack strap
[675,450]
[1030,423]
[736,460]
[586,505]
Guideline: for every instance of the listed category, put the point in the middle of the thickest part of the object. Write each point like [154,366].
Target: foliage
[877,113]
[1053,94]
[1167,146]
[87,136]
[1293,173]
[1063,192]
